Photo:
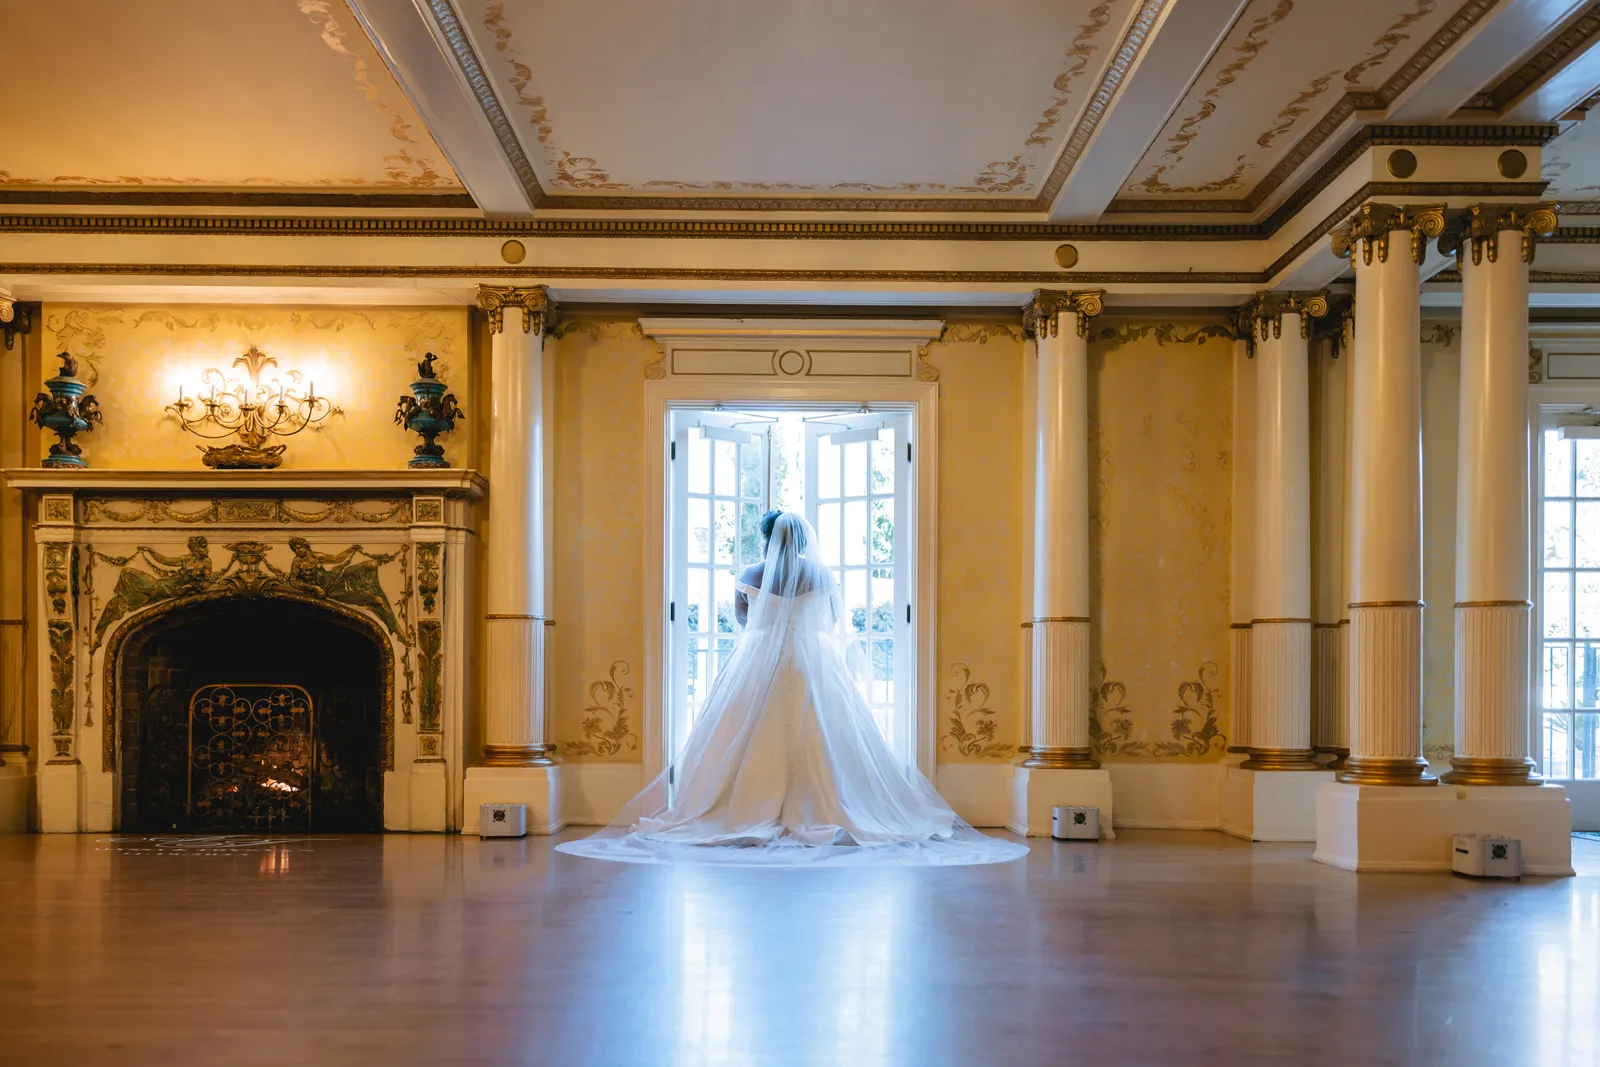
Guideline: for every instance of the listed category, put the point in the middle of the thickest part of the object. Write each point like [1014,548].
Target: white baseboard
[593,793]
[979,792]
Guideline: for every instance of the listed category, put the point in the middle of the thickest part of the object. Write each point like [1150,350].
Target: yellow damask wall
[1441,397]
[597,519]
[983,493]
[1160,412]
[136,357]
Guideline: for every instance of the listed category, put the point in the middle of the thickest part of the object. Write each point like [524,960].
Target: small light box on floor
[1070,822]
[1482,856]
[503,820]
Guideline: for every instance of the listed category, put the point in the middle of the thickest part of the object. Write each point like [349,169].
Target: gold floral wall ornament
[428,553]
[63,703]
[1165,333]
[1110,720]
[972,723]
[1439,334]
[430,664]
[1480,226]
[57,581]
[1040,317]
[1195,731]
[1373,223]
[1535,363]
[606,729]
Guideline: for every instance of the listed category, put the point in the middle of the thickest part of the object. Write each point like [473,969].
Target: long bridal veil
[785,764]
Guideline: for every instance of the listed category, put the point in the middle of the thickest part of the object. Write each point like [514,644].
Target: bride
[785,765]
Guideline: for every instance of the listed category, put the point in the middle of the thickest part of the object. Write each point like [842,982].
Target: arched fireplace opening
[254,715]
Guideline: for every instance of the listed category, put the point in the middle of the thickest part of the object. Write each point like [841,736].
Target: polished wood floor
[1162,947]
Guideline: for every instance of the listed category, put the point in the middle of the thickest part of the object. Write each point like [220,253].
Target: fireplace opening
[252,715]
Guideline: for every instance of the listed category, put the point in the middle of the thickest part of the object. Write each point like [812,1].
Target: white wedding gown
[785,765]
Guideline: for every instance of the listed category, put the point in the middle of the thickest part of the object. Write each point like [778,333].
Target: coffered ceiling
[1066,111]
[194,94]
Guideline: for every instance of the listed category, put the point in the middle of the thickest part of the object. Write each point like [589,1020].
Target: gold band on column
[519,756]
[1491,770]
[1281,759]
[1070,759]
[1359,770]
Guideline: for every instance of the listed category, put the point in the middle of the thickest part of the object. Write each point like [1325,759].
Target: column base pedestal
[16,796]
[59,786]
[1035,790]
[1395,828]
[537,787]
[1269,805]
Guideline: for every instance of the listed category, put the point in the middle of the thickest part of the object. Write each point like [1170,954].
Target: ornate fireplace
[252,650]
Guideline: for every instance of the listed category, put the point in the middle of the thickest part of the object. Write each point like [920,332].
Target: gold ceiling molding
[1342,110]
[1254,43]
[448,23]
[1531,135]
[236,198]
[1133,42]
[1565,45]
[408,166]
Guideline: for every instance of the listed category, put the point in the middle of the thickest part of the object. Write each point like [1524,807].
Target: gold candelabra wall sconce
[255,408]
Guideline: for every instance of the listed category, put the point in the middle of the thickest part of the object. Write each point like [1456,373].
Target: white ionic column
[1060,705]
[1340,745]
[1280,631]
[1242,549]
[1494,246]
[514,689]
[1386,244]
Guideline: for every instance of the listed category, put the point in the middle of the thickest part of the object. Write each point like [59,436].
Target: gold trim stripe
[1387,604]
[1062,618]
[514,615]
[1494,603]
[1253,622]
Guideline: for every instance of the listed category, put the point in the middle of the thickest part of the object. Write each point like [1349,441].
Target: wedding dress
[785,765]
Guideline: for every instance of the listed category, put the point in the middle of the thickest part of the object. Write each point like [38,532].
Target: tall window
[1569,690]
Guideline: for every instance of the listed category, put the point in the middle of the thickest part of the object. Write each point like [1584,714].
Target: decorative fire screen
[251,758]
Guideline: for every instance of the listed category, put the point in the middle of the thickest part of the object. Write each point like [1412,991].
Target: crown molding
[353,201]
[1566,44]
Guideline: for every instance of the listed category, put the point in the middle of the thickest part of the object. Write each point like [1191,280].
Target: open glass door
[720,476]
[858,478]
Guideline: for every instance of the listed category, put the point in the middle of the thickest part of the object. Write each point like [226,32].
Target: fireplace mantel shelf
[199,482]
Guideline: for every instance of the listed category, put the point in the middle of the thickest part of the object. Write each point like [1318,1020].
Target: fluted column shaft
[1385,663]
[1280,652]
[514,690]
[1493,609]
[1060,704]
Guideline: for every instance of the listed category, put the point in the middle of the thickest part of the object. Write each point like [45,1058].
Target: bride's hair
[766,525]
[789,571]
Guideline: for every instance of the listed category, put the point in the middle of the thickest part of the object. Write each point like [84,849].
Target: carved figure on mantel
[172,576]
[354,583]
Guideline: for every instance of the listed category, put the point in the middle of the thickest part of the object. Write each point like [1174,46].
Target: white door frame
[920,399]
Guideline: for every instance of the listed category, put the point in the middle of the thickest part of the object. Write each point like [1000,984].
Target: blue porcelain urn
[66,410]
[430,411]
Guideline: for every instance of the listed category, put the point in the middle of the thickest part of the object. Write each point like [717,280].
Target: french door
[858,478]
[721,483]
[726,470]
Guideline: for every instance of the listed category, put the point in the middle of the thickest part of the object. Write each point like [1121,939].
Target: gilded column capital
[1481,225]
[1263,315]
[1373,223]
[1040,317]
[8,306]
[535,301]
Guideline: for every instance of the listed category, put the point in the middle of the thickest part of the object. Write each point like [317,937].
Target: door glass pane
[1554,736]
[726,468]
[1586,688]
[855,599]
[883,531]
[883,606]
[855,534]
[751,471]
[699,540]
[828,530]
[884,451]
[1557,676]
[1587,623]
[699,462]
[699,607]
[727,533]
[1557,465]
[1588,554]
[827,470]
[1587,454]
[855,468]
[1557,609]
[1558,533]
[1584,763]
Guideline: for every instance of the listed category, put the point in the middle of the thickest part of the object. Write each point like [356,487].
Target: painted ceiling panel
[943,98]
[200,94]
[1572,163]
[1282,67]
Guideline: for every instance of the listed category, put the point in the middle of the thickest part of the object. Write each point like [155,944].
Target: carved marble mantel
[89,526]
